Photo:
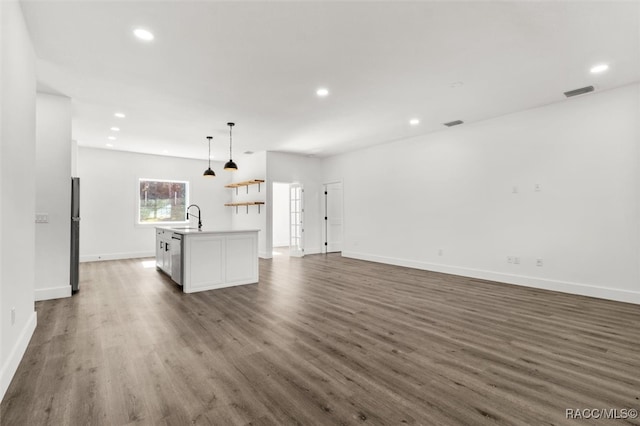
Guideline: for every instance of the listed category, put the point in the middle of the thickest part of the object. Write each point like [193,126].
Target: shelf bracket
[247,209]
[236,209]
[258,187]
[236,190]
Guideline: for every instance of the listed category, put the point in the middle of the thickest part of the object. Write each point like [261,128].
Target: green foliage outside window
[162,201]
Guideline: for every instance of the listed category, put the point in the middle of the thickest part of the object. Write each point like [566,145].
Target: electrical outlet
[509,259]
[539,262]
[537,187]
[13,316]
[516,260]
[42,217]
[514,190]
[440,252]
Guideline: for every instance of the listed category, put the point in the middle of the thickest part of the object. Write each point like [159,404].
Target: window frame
[137,221]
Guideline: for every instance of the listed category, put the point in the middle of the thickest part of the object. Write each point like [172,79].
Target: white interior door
[296,220]
[333,217]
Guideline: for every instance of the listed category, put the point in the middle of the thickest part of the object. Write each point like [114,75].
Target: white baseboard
[619,295]
[265,255]
[312,250]
[52,293]
[8,369]
[116,256]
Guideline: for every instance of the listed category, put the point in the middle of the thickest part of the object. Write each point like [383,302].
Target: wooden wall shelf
[247,204]
[246,183]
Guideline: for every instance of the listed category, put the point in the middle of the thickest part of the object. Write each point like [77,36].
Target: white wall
[280,203]
[17,205]
[2,108]
[108,197]
[305,170]
[251,167]
[53,196]
[74,158]
[453,191]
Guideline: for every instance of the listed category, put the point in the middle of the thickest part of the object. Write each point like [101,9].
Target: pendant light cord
[230,142]
[209,137]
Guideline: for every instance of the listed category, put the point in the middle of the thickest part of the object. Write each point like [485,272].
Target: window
[162,201]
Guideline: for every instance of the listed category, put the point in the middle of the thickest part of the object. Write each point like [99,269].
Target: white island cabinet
[208,259]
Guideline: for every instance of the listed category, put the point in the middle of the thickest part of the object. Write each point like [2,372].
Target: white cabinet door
[160,249]
[166,254]
[204,263]
[163,253]
[241,258]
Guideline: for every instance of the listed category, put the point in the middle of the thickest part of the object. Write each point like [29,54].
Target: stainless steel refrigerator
[75,234]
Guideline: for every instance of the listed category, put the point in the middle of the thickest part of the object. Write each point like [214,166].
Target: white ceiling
[260,63]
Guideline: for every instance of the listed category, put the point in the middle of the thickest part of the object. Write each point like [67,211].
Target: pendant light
[209,172]
[231,166]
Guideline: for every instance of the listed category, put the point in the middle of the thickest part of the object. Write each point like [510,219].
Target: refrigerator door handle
[74,276]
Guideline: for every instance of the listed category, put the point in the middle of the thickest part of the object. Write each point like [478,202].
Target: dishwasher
[176,258]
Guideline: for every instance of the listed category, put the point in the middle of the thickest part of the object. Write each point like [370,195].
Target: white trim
[139,224]
[619,295]
[313,250]
[324,214]
[217,286]
[53,293]
[116,256]
[10,367]
[265,255]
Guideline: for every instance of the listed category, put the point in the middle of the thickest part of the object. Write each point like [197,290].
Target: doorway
[288,220]
[280,228]
[333,221]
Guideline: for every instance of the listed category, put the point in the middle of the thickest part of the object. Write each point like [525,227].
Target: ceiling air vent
[453,123]
[580,91]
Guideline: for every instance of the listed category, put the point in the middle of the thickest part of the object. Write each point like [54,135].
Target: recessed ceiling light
[112,138]
[414,121]
[119,115]
[322,92]
[143,34]
[115,129]
[596,69]
[110,145]
[456,84]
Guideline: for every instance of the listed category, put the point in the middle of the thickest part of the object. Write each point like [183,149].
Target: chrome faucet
[199,220]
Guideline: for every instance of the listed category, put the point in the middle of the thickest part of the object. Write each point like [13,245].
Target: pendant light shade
[231,166]
[209,172]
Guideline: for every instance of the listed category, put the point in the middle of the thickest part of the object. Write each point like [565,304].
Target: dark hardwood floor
[323,340]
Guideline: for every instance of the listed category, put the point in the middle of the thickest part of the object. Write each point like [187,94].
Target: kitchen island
[200,260]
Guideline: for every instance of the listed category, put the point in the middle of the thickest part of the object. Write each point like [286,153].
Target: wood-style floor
[323,340]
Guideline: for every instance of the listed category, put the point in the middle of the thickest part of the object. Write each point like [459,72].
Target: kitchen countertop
[184,230]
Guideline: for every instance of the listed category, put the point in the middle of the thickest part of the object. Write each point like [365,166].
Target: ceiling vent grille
[453,123]
[580,91]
